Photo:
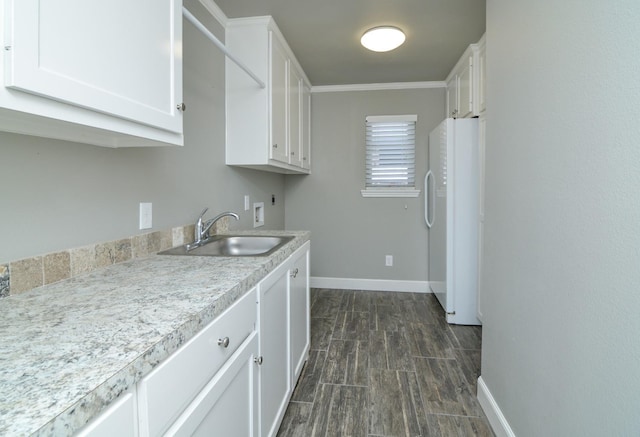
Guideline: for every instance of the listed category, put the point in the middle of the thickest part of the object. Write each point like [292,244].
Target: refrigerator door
[438,231]
[453,246]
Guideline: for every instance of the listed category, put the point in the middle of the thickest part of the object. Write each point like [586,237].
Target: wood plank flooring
[386,364]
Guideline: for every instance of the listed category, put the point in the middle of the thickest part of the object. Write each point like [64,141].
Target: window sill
[391,192]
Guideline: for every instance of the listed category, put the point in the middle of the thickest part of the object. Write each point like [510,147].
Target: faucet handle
[204,211]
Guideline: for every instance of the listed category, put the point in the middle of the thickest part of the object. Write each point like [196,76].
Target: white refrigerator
[451,213]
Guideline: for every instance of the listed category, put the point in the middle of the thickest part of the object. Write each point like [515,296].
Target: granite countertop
[69,349]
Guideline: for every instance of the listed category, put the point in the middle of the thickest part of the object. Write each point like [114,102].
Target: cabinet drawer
[169,388]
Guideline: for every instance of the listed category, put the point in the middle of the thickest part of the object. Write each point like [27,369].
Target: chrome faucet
[202,227]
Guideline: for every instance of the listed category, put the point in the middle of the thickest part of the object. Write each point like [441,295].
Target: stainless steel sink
[236,245]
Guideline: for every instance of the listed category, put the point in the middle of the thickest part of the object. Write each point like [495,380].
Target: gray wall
[561,353]
[58,195]
[351,234]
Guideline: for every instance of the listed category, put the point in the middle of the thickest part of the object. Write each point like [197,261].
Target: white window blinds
[391,156]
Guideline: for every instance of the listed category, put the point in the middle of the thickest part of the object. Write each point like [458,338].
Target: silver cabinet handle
[258,360]
[182,107]
[275,146]
[224,342]
[294,273]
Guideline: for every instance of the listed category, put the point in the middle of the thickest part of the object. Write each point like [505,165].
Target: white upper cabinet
[465,88]
[295,116]
[453,104]
[465,84]
[279,93]
[482,76]
[106,73]
[305,134]
[267,128]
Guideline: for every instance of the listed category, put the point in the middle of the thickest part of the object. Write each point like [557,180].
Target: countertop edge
[76,416]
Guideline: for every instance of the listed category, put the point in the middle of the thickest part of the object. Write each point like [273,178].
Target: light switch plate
[146,213]
[246,202]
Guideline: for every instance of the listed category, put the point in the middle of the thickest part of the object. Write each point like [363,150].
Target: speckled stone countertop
[70,348]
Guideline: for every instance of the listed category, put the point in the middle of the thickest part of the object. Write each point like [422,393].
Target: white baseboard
[370,284]
[497,420]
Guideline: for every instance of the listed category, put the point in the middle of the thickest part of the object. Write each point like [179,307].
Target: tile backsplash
[26,274]
[4,280]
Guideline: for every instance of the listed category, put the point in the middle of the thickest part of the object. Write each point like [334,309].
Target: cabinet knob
[293,153]
[224,342]
[304,159]
[182,107]
[275,146]
[294,273]
[258,360]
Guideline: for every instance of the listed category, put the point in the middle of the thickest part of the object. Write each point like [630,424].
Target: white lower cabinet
[299,314]
[275,380]
[284,336]
[119,419]
[228,405]
[233,378]
[172,387]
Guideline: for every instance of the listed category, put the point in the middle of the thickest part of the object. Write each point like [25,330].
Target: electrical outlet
[146,215]
[388,260]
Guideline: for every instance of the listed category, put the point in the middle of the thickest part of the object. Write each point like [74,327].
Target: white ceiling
[325,36]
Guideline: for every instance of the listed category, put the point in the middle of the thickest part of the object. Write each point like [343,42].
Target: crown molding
[378,86]
[215,11]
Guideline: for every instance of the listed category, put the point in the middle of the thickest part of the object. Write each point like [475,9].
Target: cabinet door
[465,89]
[119,419]
[295,94]
[227,406]
[482,79]
[275,380]
[299,315]
[305,138]
[118,57]
[452,97]
[168,389]
[279,86]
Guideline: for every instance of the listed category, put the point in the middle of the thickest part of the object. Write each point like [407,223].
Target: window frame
[391,191]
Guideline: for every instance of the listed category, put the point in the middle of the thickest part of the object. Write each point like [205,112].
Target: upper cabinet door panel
[118,57]
[279,93]
[465,89]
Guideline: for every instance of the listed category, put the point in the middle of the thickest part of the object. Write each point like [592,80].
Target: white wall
[561,347]
[351,234]
[57,195]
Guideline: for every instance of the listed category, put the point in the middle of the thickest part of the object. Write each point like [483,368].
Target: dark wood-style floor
[386,364]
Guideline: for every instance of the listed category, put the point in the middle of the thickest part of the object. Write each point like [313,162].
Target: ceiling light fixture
[383,38]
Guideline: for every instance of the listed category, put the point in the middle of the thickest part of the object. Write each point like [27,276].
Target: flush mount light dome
[383,38]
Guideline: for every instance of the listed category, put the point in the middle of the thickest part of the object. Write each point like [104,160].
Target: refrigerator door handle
[429,199]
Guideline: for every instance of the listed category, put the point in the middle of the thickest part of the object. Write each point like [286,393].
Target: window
[390,156]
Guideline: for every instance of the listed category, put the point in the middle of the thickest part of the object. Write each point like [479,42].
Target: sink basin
[236,245]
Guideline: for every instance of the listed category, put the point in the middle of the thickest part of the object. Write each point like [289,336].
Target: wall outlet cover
[146,215]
